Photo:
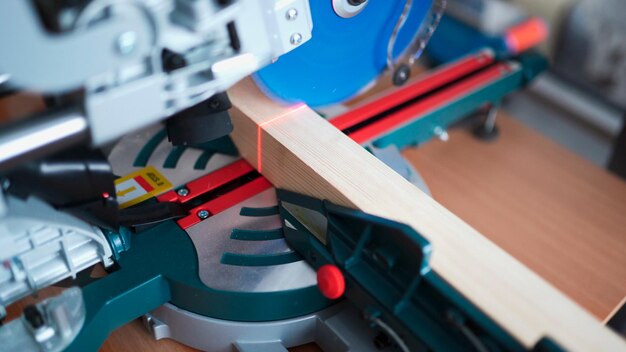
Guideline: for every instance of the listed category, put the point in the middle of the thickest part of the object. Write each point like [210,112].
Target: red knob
[330,281]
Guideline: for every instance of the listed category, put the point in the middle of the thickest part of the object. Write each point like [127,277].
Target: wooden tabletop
[557,213]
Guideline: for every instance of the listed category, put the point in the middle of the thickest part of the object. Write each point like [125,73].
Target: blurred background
[581,101]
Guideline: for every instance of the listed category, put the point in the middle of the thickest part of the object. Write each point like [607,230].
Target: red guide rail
[226,201]
[431,103]
[213,181]
[461,70]
[430,81]
[209,182]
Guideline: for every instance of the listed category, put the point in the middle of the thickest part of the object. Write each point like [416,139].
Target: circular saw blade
[344,55]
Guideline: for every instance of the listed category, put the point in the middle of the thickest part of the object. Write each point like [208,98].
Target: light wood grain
[297,150]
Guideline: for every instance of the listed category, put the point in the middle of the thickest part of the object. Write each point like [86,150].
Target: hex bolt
[203,214]
[401,75]
[296,39]
[183,192]
[291,14]
[126,42]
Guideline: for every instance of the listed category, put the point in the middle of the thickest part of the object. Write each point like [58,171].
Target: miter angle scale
[239,249]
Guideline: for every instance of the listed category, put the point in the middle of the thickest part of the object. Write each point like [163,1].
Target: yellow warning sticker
[140,185]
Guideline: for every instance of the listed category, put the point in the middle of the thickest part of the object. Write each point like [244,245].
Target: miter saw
[131,167]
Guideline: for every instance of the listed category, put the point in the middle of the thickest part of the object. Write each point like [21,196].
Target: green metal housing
[161,266]
[422,130]
[385,265]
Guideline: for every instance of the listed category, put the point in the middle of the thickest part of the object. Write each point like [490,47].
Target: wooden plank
[297,150]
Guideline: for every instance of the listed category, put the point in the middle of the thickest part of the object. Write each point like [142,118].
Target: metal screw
[296,39]
[401,75]
[203,214]
[183,192]
[127,42]
[291,14]
[442,134]
[149,323]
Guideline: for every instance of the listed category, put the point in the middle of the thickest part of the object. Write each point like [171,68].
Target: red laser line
[260,133]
